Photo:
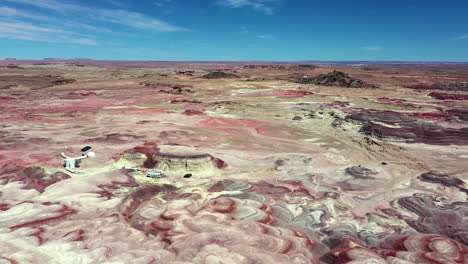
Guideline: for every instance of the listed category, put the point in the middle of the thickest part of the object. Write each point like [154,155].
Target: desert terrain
[261,162]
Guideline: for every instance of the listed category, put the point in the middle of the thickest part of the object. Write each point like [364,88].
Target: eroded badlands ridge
[280,172]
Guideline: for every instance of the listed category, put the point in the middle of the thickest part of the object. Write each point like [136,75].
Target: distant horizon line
[242,61]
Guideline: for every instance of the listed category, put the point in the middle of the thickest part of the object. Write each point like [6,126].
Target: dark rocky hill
[219,75]
[335,78]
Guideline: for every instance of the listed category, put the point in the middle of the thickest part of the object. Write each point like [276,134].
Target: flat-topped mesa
[173,160]
[180,160]
[132,160]
[335,78]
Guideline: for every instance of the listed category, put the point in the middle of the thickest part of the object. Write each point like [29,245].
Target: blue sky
[245,30]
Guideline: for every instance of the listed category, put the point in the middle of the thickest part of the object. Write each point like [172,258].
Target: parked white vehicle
[154,174]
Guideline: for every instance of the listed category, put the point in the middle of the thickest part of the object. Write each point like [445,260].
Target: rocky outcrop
[179,89]
[180,160]
[449,96]
[219,75]
[275,67]
[132,160]
[460,114]
[403,127]
[349,246]
[187,73]
[183,101]
[335,78]
[168,88]
[281,67]
[172,160]
[193,112]
[445,86]
[360,172]
[444,179]
[33,82]
[33,177]
[437,217]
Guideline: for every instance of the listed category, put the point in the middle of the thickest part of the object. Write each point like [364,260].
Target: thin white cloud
[372,48]
[244,30]
[264,6]
[51,4]
[57,27]
[265,36]
[462,37]
[81,26]
[116,16]
[134,19]
[19,26]
[9,12]
[14,13]
[116,3]
[81,41]
[161,3]
[26,31]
